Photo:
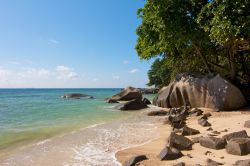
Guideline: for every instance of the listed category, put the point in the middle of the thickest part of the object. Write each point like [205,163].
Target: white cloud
[125,62]
[116,77]
[34,73]
[65,73]
[95,79]
[134,71]
[53,41]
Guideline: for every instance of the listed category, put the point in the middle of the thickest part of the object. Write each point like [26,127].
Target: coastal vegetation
[197,36]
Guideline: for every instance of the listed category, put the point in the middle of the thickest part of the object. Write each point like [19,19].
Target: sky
[70,44]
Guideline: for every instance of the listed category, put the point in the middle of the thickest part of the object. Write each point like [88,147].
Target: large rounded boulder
[200,91]
[129,93]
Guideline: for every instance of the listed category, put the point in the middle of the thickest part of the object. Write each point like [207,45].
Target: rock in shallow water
[135,104]
[76,96]
[129,93]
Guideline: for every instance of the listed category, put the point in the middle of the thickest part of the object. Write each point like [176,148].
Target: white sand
[232,121]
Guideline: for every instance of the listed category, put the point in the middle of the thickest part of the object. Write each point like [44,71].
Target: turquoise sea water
[28,115]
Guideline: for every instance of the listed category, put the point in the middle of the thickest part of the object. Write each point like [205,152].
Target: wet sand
[232,121]
[94,145]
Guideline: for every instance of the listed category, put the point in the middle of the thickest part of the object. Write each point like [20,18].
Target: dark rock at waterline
[238,134]
[146,101]
[111,101]
[76,96]
[134,160]
[189,131]
[210,162]
[127,94]
[179,142]
[157,113]
[242,163]
[169,153]
[135,104]
[238,146]
[213,142]
[200,91]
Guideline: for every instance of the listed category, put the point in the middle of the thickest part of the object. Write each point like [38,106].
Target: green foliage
[197,36]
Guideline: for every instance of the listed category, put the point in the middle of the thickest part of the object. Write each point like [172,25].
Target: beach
[231,121]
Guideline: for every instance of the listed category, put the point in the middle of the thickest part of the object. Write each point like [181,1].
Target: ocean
[38,127]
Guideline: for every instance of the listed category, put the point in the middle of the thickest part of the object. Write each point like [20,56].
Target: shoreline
[234,121]
[75,147]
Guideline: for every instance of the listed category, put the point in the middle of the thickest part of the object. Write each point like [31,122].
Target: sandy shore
[232,121]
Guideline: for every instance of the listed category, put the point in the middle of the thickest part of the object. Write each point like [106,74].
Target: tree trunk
[231,62]
[204,60]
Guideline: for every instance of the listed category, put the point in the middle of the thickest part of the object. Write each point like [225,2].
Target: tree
[196,36]
[228,25]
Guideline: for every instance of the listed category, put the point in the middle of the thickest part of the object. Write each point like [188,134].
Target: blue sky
[70,43]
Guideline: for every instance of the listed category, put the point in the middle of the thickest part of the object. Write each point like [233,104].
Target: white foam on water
[101,150]
[43,142]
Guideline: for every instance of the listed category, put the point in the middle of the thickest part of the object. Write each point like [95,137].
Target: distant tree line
[198,36]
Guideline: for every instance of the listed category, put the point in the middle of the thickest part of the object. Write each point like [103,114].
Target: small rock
[180,164]
[198,165]
[169,153]
[207,114]
[202,117]
[213,142]
[189,131]
[216,132]
[111,101]
[189,155]
[204,122]
[195,112]
[238,134]
[179,142]
[196,139]
[238,146]
[146,101]
[157,113]
[209,129]
[207,152]
[212,135]
[222,157]
[210,162]
[135,159]
[242,163]
[225,130]
[247,124]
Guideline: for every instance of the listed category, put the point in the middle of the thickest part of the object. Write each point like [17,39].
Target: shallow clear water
[32,115]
